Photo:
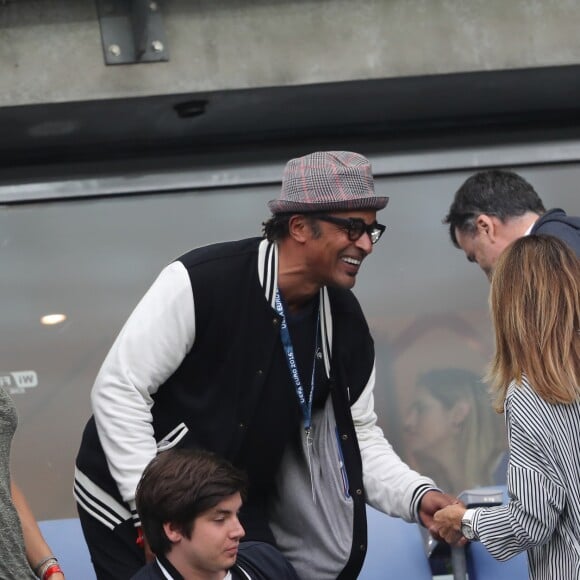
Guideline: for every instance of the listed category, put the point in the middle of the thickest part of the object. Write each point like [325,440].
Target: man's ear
[172,532]
[487,225]
[299,228]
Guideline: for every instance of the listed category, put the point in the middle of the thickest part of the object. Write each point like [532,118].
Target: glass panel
[93,260]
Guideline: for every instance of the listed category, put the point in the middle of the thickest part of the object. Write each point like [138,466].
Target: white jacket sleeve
[390,484]
[149,348]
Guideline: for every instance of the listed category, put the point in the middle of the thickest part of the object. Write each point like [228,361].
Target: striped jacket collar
[268,275]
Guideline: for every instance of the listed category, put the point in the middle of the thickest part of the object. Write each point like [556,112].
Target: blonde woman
[535,374]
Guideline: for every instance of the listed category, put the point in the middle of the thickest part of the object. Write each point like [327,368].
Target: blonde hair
[535,308]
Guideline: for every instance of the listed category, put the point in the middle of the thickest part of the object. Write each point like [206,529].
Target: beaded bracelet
[44,566]
[52,569]
[42,563]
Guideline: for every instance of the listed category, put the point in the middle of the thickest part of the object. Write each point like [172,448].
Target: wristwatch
[467,525]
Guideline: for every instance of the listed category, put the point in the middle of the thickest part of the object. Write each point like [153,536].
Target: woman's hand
[447,523]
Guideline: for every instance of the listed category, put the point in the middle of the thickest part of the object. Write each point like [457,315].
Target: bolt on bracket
[132,31]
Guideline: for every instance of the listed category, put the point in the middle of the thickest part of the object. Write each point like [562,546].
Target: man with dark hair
[188,501]
[259,351]
[496,207]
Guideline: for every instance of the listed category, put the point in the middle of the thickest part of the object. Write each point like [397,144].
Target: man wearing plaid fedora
[257,350]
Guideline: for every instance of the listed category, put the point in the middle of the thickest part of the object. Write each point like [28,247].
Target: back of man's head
[177,486]
[500,193]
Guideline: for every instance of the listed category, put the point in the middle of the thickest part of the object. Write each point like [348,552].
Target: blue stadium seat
[67,542]
[395,550]
[482,566]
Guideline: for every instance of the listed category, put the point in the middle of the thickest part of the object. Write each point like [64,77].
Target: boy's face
[213,546]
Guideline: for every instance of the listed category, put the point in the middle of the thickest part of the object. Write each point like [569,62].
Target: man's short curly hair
[277,227]
[495,192]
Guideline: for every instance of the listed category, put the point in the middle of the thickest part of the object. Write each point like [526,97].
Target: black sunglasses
[355,227]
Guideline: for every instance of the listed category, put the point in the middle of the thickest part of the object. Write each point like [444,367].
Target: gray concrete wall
[50,50]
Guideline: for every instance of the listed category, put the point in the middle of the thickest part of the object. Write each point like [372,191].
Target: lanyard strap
[305,405]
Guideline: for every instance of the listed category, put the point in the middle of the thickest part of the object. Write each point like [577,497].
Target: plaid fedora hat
[327,181]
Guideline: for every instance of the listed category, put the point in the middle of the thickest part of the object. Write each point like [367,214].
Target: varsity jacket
[212,333]
[555,222]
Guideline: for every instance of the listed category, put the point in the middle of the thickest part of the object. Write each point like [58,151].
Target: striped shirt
[543,512]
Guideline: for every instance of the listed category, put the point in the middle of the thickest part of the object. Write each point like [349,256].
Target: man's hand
[447,524]
[432,502]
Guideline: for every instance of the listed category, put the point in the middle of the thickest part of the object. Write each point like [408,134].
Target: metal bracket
[132,31]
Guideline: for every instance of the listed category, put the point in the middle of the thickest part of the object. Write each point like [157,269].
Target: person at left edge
[221,353]
[24,552]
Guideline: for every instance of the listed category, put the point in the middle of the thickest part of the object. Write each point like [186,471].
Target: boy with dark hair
[188,501]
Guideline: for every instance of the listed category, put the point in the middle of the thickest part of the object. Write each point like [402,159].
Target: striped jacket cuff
[135,514]
[417,497]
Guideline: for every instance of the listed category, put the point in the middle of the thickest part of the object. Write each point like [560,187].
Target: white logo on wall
[18,381]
